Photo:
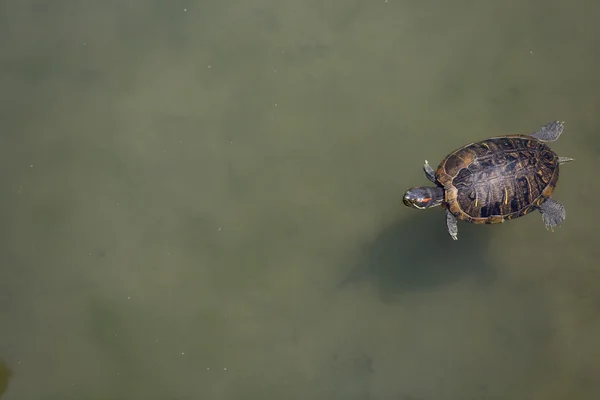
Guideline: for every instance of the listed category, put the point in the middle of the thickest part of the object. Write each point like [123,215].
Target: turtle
[496,180]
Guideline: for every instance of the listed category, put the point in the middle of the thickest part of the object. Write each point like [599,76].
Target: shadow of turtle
[5,375]
[416,253]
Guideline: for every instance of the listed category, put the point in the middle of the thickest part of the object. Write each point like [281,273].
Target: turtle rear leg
[550,132]
[429,171]
[553,213]
[452,225]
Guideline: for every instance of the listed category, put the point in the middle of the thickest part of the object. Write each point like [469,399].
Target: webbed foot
[452,225]
[553,213]
[429,172]
[550,132]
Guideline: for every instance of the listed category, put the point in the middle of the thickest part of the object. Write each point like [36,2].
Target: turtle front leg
[452,225]
[429,172]
[553,213]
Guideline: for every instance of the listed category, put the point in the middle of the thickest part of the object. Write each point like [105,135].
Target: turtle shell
[498,179]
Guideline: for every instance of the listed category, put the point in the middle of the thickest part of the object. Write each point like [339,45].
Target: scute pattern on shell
[498,179]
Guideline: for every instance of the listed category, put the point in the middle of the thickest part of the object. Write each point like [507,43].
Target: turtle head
[422,197]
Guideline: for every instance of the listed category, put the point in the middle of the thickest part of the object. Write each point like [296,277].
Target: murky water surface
[202,200]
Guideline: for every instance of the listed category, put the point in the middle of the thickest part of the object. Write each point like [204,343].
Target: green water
[202,200]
